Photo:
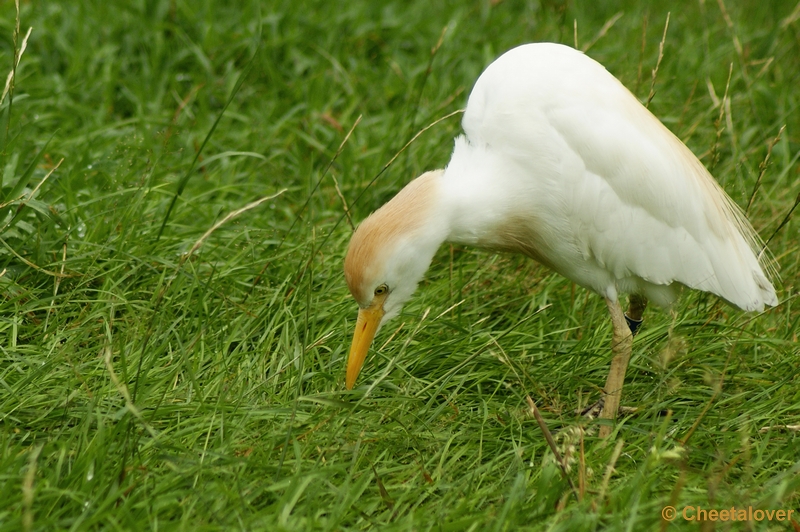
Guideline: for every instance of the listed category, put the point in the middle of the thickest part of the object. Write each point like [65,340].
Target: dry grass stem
[658,63]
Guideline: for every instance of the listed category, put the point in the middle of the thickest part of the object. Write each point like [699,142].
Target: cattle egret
[561,162]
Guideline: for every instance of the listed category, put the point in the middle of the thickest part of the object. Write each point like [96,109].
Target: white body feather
[562,162]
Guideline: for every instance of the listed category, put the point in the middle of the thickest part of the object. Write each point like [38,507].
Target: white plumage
[627,205]
[562,163]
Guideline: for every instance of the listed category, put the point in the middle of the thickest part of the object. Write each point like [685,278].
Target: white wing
[615,185]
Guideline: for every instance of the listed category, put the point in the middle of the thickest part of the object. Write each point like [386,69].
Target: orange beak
[366,326]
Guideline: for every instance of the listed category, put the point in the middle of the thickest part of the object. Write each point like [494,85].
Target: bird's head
[387,257]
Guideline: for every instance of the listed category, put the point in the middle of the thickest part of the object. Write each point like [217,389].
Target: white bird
[562,163]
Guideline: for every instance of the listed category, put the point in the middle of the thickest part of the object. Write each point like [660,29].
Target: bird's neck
[474,202]
[478,192]
[452,205]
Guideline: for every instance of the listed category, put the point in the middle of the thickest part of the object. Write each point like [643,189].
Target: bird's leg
[621,346]
[636,306]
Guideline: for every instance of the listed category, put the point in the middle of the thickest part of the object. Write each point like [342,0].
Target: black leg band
[633,325]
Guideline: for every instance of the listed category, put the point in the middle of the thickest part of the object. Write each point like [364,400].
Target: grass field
[156,376]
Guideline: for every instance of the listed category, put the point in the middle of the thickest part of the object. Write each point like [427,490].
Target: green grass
[143,388]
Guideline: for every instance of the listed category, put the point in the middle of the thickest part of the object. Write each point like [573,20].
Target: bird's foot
[593,410]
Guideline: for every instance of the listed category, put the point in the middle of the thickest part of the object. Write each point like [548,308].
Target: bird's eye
[381,290]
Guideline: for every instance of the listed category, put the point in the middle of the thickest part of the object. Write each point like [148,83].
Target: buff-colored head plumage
[369,256]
